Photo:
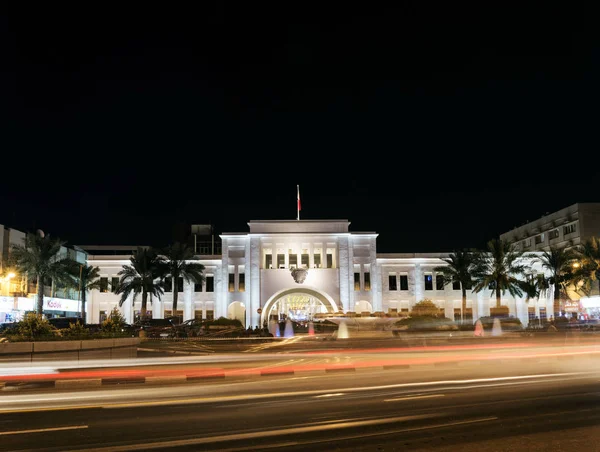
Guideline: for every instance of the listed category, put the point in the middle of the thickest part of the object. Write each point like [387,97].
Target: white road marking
[41,430]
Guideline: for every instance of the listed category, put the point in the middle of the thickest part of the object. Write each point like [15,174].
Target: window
[329,260]
[393,281]
[210,283]
[356,281]
[428,282]
[455,285]
[317,258]
[198,287]
[103,284]
[569,229]
[293,258]
[403,282]
[210,314]
[231,282]
[539,239]
[114,284]
[268,261]
[367,276]
[439,282]
[304,258]
[543,315]
[527,243]
[168,284]
[198,314]
[103,316]
[553,234]
[280,260]
[242,282]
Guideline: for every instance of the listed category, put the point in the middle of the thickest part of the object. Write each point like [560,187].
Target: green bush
[35,326]
[75,331]
[114,323]
[223,321]
[425,307]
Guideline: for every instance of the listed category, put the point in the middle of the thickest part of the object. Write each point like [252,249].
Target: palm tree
[498,269]
[40,260]
[143,275]
[558,262]
[177,266]
[88,278]
[585,276]
[458,270]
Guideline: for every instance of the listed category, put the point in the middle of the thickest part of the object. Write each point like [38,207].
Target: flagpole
[298,202]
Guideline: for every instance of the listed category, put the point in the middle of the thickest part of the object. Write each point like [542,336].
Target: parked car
[155,328]
[64,322]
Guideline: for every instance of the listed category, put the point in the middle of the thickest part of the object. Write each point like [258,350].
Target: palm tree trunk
[556,301]
[83,305]
[464,306]
[498,298]
[40,296]
[144,303]
[175,293]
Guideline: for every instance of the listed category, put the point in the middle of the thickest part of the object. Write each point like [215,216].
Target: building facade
[18,295]
[567,227]
[303,269]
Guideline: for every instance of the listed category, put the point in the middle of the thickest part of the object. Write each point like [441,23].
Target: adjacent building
[567,227]
[18,295]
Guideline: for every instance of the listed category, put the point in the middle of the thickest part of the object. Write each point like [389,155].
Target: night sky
[437,125]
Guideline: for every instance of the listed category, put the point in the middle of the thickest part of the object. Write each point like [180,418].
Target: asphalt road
[497,407]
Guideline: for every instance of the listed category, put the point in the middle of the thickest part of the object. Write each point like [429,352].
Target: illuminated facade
[567,227]
[305,269]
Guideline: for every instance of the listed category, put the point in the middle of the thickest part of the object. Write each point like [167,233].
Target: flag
[298,186]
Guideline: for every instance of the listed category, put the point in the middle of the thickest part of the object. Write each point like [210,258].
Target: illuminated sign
[571,306]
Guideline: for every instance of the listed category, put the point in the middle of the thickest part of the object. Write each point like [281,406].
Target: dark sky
[437,125]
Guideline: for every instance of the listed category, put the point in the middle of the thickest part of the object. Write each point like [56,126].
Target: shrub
[114,323]
[35,326]
[224,321]
[75,331]
[425,307]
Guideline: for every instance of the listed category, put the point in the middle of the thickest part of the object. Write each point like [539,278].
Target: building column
[127,309]
[483,304]
[418,284]
[252,293]
[188,292]
[344,271]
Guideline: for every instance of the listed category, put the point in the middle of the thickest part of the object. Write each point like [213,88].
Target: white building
[568,227]
[252,279]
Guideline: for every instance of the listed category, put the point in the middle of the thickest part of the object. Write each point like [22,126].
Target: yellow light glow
[11,275]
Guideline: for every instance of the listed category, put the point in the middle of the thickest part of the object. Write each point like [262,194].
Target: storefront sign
[572,306]
[60,304]
[7,304]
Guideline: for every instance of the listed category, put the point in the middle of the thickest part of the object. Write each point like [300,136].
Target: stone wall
[69,350]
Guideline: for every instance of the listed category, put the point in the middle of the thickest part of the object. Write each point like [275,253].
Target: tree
[142,276]
[558,262]
[177,266]
[40,260]
[585,276]
[88,278]
[498,269]
[458,270]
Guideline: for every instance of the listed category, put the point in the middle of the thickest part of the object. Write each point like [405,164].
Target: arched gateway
[298,304]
